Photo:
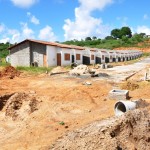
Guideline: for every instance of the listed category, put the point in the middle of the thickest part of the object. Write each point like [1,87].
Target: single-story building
[89,56]
[112,56]
[119,56]
[98,57]
[45,54]
[102,55]
[77,54]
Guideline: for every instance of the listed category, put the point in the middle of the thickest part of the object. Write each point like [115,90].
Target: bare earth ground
[43,108]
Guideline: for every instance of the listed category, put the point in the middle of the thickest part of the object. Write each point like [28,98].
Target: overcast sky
[60,20]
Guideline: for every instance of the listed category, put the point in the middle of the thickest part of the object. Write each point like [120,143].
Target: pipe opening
[120,108]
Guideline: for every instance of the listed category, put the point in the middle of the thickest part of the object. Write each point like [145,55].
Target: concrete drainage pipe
[123,106]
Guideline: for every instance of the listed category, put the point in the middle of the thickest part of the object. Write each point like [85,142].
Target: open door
[86,60]
[98,60]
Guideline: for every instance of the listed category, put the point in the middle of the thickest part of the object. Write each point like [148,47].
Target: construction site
[100,107]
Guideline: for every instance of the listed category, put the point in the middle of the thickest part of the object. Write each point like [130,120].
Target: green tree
[125,31]
[142,34]
[137,37]
[94,37]
[88,38]
[109,38]
[125,38]
[115,33]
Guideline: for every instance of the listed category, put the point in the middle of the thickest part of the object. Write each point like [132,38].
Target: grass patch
[146,54]
[34,70]
[3,63]
[67,67]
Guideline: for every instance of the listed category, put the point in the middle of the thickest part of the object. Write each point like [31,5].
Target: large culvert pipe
[123,106]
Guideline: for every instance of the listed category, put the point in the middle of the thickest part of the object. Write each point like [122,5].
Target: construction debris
[58,70]
[118,94]
[80,70]
[147,75]
[99,74]
[87,83]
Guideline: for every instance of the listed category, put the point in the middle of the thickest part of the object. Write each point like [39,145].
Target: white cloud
[2,27]
[33,19]
[26,31]
[47,34]
[9,35]
[24,3]
[84,24]
[4,40]
[15,35]
[143,29]
[145,17]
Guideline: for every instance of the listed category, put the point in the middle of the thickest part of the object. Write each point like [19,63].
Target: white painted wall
[105,54]
[51,52]
[117,55]
[92,53]
[86,52]
[111,56]
[122,55]
[63,61]
[74,52]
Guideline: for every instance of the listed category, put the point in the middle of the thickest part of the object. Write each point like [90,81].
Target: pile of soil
[127,132]
[10,72]
[130,86]
[18,106]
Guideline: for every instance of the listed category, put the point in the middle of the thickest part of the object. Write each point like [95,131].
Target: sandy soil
[38,110]
[60,99]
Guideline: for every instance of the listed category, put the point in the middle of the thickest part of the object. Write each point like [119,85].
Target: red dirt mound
[10,72]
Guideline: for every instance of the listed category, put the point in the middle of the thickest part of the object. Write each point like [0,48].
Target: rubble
[58,70]
[87,83]
[80,70]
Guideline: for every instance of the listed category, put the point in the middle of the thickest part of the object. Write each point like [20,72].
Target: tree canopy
[115,33]
[4,49]
[119,33]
